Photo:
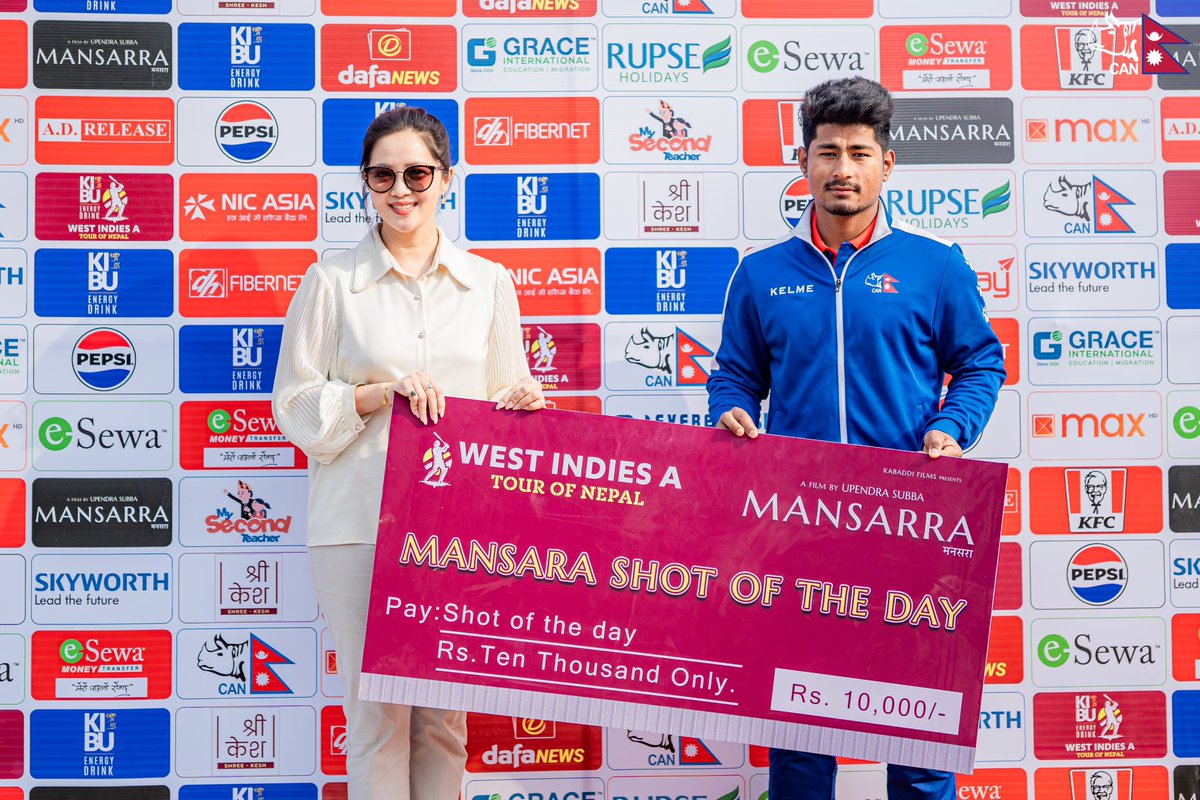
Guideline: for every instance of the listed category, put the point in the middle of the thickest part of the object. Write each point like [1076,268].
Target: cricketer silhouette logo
[437,462]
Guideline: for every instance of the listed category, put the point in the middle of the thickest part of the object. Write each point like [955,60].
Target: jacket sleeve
[506,362]
[968,350]
[314,410]
[741,375]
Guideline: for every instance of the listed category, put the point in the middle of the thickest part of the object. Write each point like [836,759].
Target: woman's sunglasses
[417,178]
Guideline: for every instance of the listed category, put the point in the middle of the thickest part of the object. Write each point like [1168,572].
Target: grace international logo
[437,463]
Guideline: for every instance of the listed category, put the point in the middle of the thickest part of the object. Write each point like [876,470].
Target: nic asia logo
[239,207]
[689,58]
[101,665]
[369,58]
[1088,204]
[104,130]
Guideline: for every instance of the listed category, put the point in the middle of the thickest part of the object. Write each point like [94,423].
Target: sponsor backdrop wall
[171,167]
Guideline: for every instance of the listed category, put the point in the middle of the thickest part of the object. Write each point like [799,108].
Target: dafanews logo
[1097,425]
[1100,652]
[102,512]
[516,744]
[1077,351]
[785,58]
[946,57]
[120,743]
[682,58]
[975,204]
[529,8]
[667,280]
[370,58]
[216,664]
[660,355]
[234,435]
[103,437]
[103,283]
[562,58]
[1074,130]
[254,510]
[101,665]
[1092,725]
[1005,662]
[272,57]
[1092,277]
[123,56]
[1063,204]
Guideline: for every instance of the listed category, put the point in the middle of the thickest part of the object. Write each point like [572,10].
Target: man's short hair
[849,101]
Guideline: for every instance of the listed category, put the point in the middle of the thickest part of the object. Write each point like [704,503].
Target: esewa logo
[1187,422]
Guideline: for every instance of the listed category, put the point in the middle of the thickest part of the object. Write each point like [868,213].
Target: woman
[404,315]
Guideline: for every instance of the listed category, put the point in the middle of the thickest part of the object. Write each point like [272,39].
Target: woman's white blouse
[357,319]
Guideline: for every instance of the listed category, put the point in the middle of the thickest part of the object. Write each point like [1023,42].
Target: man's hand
[739,423]
[938,443]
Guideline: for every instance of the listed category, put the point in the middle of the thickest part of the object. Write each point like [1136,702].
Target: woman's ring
[429,386]
[412,393]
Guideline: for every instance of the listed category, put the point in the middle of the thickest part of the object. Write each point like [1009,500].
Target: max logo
[4,130]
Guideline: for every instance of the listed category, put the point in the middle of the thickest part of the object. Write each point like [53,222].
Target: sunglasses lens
[418,178]
[380,179]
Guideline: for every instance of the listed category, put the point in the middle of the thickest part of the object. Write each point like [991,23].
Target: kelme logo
[1053,650]
[717,55]
[997,200]
[917,44]
[219,420]
[1187,422]
[71,651]
[55,434]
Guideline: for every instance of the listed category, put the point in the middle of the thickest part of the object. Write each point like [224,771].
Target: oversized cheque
[787,592]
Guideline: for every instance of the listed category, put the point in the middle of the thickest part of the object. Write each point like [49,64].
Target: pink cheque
[783,592]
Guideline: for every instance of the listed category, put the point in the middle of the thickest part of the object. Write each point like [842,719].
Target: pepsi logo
[103,359]
[247,132]
[795,198]
[1097,574]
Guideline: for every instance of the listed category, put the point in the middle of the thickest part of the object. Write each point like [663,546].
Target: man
[850,323]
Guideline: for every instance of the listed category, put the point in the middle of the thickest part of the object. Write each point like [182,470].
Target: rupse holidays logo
[1092,277]
[344,119]
[563,357]
[246,740]
[1005,662]
[661,355]
[232,359]
[553,281]
[546,130]
[676,408]
[506,207]
[550,58]
[1182,289]
[229,662]
[969,130]
[1079,351]
[1181,202]
[529,8]
[118,743]
[14,445]
[792,58]
[670,130]
[1181,130]
[249,790]
[240,283]
[1127,651]
[1183,500]
[670,205]
[520,744]
[1002,729]
[101,130]
[273,57]
[246,207]
[1095,500]
[1185,647]
[976,204]
[1062,204]
[105,206]
[628,749]
[683,58]
[14,54]
[674,9]
[78,359]
[1091,55]
[255,511]
[14,357]
[14,296]
[14,116]
[717,787]
[219,131]
[103,283]
[127,589]
[519,789]
[101,665]
[1102,783]
[221,587]
[103,437]
[1077,130]
[946,57]
[999,274]
[667,280]
[236,434]
[1126,574]
[122,56]
[371,58]
[102,512]
[1106,724]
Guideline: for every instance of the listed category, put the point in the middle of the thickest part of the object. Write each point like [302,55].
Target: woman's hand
[425,396]
[526,395]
